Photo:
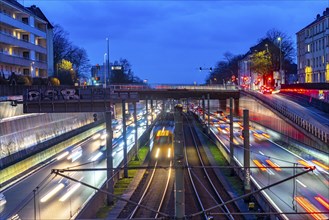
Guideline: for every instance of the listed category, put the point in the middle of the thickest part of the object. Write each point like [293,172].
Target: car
[266,90]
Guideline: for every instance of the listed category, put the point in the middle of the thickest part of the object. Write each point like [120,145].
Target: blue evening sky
[167,41]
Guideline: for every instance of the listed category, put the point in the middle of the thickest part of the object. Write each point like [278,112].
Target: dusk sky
[167,41]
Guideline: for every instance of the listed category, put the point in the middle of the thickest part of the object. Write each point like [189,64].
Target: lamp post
[108,59]
[282,77]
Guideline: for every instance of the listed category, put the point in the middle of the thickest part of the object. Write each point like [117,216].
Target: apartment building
[313,49]
[26,41]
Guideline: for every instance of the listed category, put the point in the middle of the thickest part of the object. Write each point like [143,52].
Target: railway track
[208,190]
[154,194]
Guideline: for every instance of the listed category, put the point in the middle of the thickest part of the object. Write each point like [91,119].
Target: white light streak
[98,155]
[70,192]
[301,183]
[52,192]
[61,156]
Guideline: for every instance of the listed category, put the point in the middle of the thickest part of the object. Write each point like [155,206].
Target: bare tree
[65,50]
[287,45]
[62,45]
[80,61]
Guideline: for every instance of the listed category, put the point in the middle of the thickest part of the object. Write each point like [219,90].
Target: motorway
[264,152]
[31,197]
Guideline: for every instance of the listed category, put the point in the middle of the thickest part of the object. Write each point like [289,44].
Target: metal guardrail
[302,120]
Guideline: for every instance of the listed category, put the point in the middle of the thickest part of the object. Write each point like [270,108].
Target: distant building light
[116,67]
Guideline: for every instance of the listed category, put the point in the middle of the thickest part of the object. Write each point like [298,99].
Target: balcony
[19,24]
[20,61]
[11,40]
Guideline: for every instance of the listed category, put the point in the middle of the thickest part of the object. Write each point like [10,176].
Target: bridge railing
[171,86]
[304,121]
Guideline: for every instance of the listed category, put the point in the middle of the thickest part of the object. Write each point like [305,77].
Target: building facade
[26,41]
[313,51]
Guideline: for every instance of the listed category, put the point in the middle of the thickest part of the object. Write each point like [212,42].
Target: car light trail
[61,156]
[52,192]
[259,165]
[322,202]
[311,209]
[103,136]
[275,166]
[302,184]
[98,155]
[320,164]
[96,136]
[266,135]
[302,162]
[70,192]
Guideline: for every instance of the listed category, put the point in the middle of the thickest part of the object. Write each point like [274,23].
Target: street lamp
[282,77]
[108,59]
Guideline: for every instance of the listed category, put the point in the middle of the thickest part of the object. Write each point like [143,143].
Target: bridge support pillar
[109,161]
[163,105]
[152,110]
[178,164]
[236,107]
[124,134]
[147,113]
[203,109]
[136,129]
[231,138]
[222,105]
[246,157]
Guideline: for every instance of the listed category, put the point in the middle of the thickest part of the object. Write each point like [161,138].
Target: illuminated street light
[282,77]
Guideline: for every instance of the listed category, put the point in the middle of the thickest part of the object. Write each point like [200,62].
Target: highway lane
[53,208]
[315,113]
[283,195]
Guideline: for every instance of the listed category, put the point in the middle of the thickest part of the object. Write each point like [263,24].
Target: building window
[308,48]
[25,20]
[26,72]
[26,55]
[25,37]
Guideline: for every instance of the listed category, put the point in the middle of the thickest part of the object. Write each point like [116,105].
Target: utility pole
[231,137]
[246,144]
[179,163]
[109,157]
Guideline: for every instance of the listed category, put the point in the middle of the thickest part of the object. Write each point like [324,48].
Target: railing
[171,87]
[304,121]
